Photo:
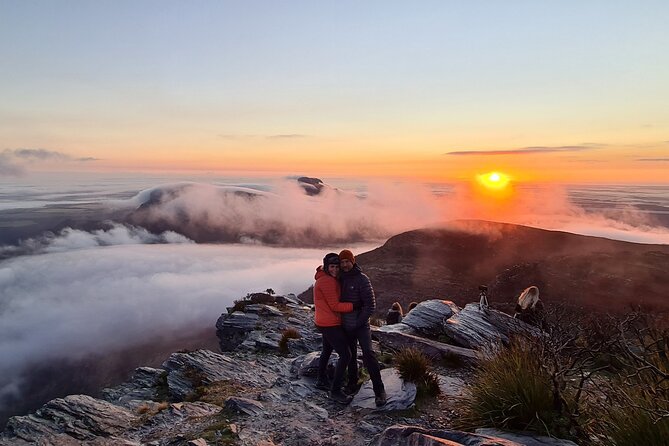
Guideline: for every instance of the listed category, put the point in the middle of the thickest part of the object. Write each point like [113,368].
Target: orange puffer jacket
[326,300]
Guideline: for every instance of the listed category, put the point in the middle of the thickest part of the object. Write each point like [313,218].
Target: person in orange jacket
[328,321]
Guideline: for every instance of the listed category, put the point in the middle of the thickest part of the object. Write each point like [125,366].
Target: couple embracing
[344,301]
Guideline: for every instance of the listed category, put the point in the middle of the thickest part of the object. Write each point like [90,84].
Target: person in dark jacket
[357,289]
[395,314]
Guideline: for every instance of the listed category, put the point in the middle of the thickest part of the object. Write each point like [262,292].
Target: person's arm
[368,301]
[331,296]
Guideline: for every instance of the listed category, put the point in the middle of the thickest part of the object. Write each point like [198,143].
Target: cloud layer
[70,304]
[526,150]
[13,161]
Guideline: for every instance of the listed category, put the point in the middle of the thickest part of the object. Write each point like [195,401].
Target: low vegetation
[415,367]
[288,333]
[599,381]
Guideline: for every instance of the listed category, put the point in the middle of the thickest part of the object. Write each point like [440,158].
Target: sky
[555,91]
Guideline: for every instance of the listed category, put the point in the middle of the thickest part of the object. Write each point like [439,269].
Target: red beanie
[346,254]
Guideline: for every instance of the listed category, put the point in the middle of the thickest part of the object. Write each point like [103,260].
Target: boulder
[75,418]
[307,365]
[401,394]
[527,439]
[187,371]
[263,310]
[146,383]
[261,298]
[232,329]
[428,316]
[397,340]
[244,405]
[401,435]
[288,299]
[477,328]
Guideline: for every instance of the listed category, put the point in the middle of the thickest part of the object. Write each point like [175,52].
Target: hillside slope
[451,261]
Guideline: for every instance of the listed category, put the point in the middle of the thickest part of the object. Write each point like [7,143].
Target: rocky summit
[260,388]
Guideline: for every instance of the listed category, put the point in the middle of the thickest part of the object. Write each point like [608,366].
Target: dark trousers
[363,336]
[334,338]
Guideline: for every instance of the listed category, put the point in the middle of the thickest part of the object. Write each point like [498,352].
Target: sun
[493,180]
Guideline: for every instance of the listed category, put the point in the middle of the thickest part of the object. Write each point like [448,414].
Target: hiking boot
[381,399]
[323,384]
[350,390]
[339,397]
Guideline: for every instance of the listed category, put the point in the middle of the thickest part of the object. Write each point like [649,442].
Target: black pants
[334,338]
[363,336]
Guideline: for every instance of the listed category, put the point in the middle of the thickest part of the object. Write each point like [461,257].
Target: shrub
[415,367]
[288,333]
[511,390]
[636,408]
[631,423]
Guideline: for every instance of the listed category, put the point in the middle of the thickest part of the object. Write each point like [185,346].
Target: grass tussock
[512,391]
[288,333]
[151,409]
[415,367]
[219,391]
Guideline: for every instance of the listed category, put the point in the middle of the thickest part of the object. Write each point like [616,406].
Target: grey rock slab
[428,316]
[244,405]
[451,385]
[232,329]
[264,310]
[307,365]
[401,394]
[477,328]
[402,435]
[396,340]
[79,417]
[186,371]
[525,439]
[317,411]
[145,384]
[295,321]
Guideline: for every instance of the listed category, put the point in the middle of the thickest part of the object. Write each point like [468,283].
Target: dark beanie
[346,254]
[330,259]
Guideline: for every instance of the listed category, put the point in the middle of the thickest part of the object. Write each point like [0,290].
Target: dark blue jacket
[357,289]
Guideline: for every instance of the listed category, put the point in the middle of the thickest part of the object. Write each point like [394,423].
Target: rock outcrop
[254,395]
[476,328]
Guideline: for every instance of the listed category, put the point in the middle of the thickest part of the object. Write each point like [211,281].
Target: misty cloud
[286,216]
[654,160]
[39,154]
[73,239]
[13,161]
[102,299]
[526,150]
[9,166]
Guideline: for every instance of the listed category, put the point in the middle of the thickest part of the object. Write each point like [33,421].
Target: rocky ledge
[261,389]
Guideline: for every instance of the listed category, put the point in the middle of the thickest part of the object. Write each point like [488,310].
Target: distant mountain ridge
[450,262]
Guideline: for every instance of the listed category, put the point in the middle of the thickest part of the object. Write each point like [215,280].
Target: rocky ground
[261,389]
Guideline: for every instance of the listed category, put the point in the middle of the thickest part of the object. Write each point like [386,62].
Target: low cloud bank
[72,304]
[285,217]
[73,239]
[289,217]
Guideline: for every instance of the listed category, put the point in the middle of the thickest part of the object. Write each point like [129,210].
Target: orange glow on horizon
[493,180]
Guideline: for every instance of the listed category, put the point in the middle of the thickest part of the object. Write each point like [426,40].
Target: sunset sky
[568,91]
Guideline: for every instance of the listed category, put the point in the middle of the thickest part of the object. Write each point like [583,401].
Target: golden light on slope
[493,180]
